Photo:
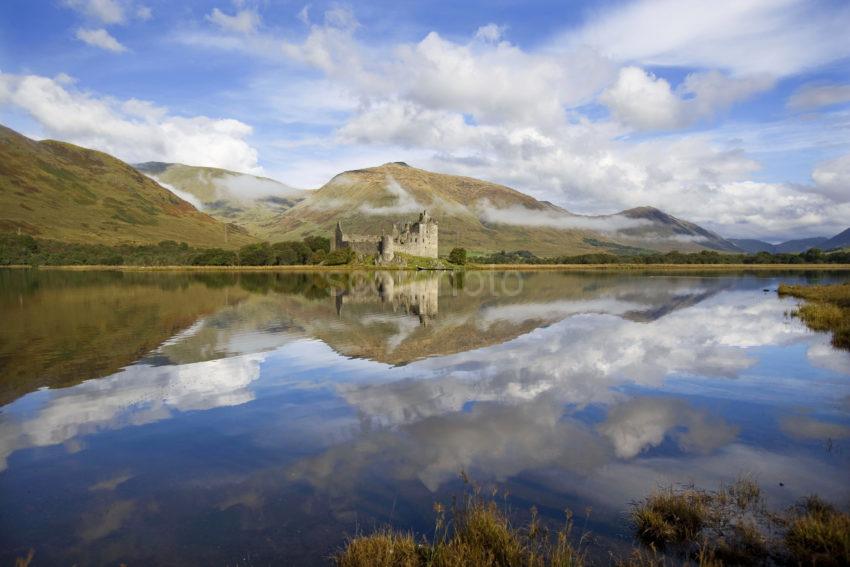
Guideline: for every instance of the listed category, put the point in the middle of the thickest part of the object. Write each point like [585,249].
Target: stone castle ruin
[417,239]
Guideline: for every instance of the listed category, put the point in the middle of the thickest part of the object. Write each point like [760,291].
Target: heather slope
[60,191]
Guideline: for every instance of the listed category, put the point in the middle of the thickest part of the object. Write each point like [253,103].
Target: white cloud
[100,38]
[134,131]
[403,201]
[490,32]
[643,101]
[522,216]
[188,197]
[244,21]
[815,96]
[832,178]
[775,37]
[105,11]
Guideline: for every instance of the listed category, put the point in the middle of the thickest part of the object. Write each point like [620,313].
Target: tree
[317,243]
[259,254]
[458,256]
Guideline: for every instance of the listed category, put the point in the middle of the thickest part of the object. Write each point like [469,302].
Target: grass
[476,533]
[819,534]
[825,308]
[672,526]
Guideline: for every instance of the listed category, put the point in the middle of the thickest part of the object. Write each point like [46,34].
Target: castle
[417,239]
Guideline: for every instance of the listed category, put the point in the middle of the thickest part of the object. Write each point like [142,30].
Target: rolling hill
[249,201]
[60,191]
[481,216]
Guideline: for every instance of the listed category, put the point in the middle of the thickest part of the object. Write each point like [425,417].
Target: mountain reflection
[357,393]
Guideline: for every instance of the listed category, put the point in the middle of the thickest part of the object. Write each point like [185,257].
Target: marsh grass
[732,526]
[476,532]
[819,534]
[826,308]
[672,526]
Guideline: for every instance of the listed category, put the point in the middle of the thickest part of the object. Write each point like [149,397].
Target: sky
[731,114]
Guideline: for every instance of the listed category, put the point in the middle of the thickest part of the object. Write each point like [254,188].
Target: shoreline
[468,267]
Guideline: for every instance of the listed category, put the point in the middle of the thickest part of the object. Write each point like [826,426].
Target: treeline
[813,256]
[24,249]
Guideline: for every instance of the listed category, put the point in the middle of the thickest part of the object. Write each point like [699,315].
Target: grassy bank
[659,267]
[825,308]
[729,526]
[479,267]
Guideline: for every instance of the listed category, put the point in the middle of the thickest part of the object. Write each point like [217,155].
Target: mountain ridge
[61,191]
[482,216]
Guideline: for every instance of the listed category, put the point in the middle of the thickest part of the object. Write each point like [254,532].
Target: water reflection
[272,413]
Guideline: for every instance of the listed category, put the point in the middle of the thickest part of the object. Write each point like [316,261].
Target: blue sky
[735,115]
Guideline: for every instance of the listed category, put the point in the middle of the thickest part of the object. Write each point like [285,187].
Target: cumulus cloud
[243,21]
[133,130]
[468,103]
[641,100]
[832,178]
[100,38]
[816,96]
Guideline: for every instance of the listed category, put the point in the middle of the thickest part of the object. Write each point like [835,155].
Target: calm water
[259,418]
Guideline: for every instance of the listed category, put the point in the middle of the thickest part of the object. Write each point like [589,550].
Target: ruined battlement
[417,239]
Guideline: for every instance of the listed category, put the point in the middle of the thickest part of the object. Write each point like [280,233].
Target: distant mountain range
[64,192]
[840,240]
[61,191]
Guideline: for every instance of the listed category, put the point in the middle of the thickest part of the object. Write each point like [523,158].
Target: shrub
[339,257]
[458,256]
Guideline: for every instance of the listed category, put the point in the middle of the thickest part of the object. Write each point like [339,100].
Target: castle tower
[337,242]
[387,248]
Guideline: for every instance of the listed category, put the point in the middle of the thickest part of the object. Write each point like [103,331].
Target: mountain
[666,232]
[800,245]
[64,192]
[840,240]
[796,246]
[480,216]
[246,200]
[753,246]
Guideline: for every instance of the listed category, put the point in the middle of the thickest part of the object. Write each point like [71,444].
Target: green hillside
[60,191]
[479,215]
[251,202]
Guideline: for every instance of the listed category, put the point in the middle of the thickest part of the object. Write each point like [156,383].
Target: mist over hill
[249,201]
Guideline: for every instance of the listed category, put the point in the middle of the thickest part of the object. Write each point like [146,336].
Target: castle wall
[418,239]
